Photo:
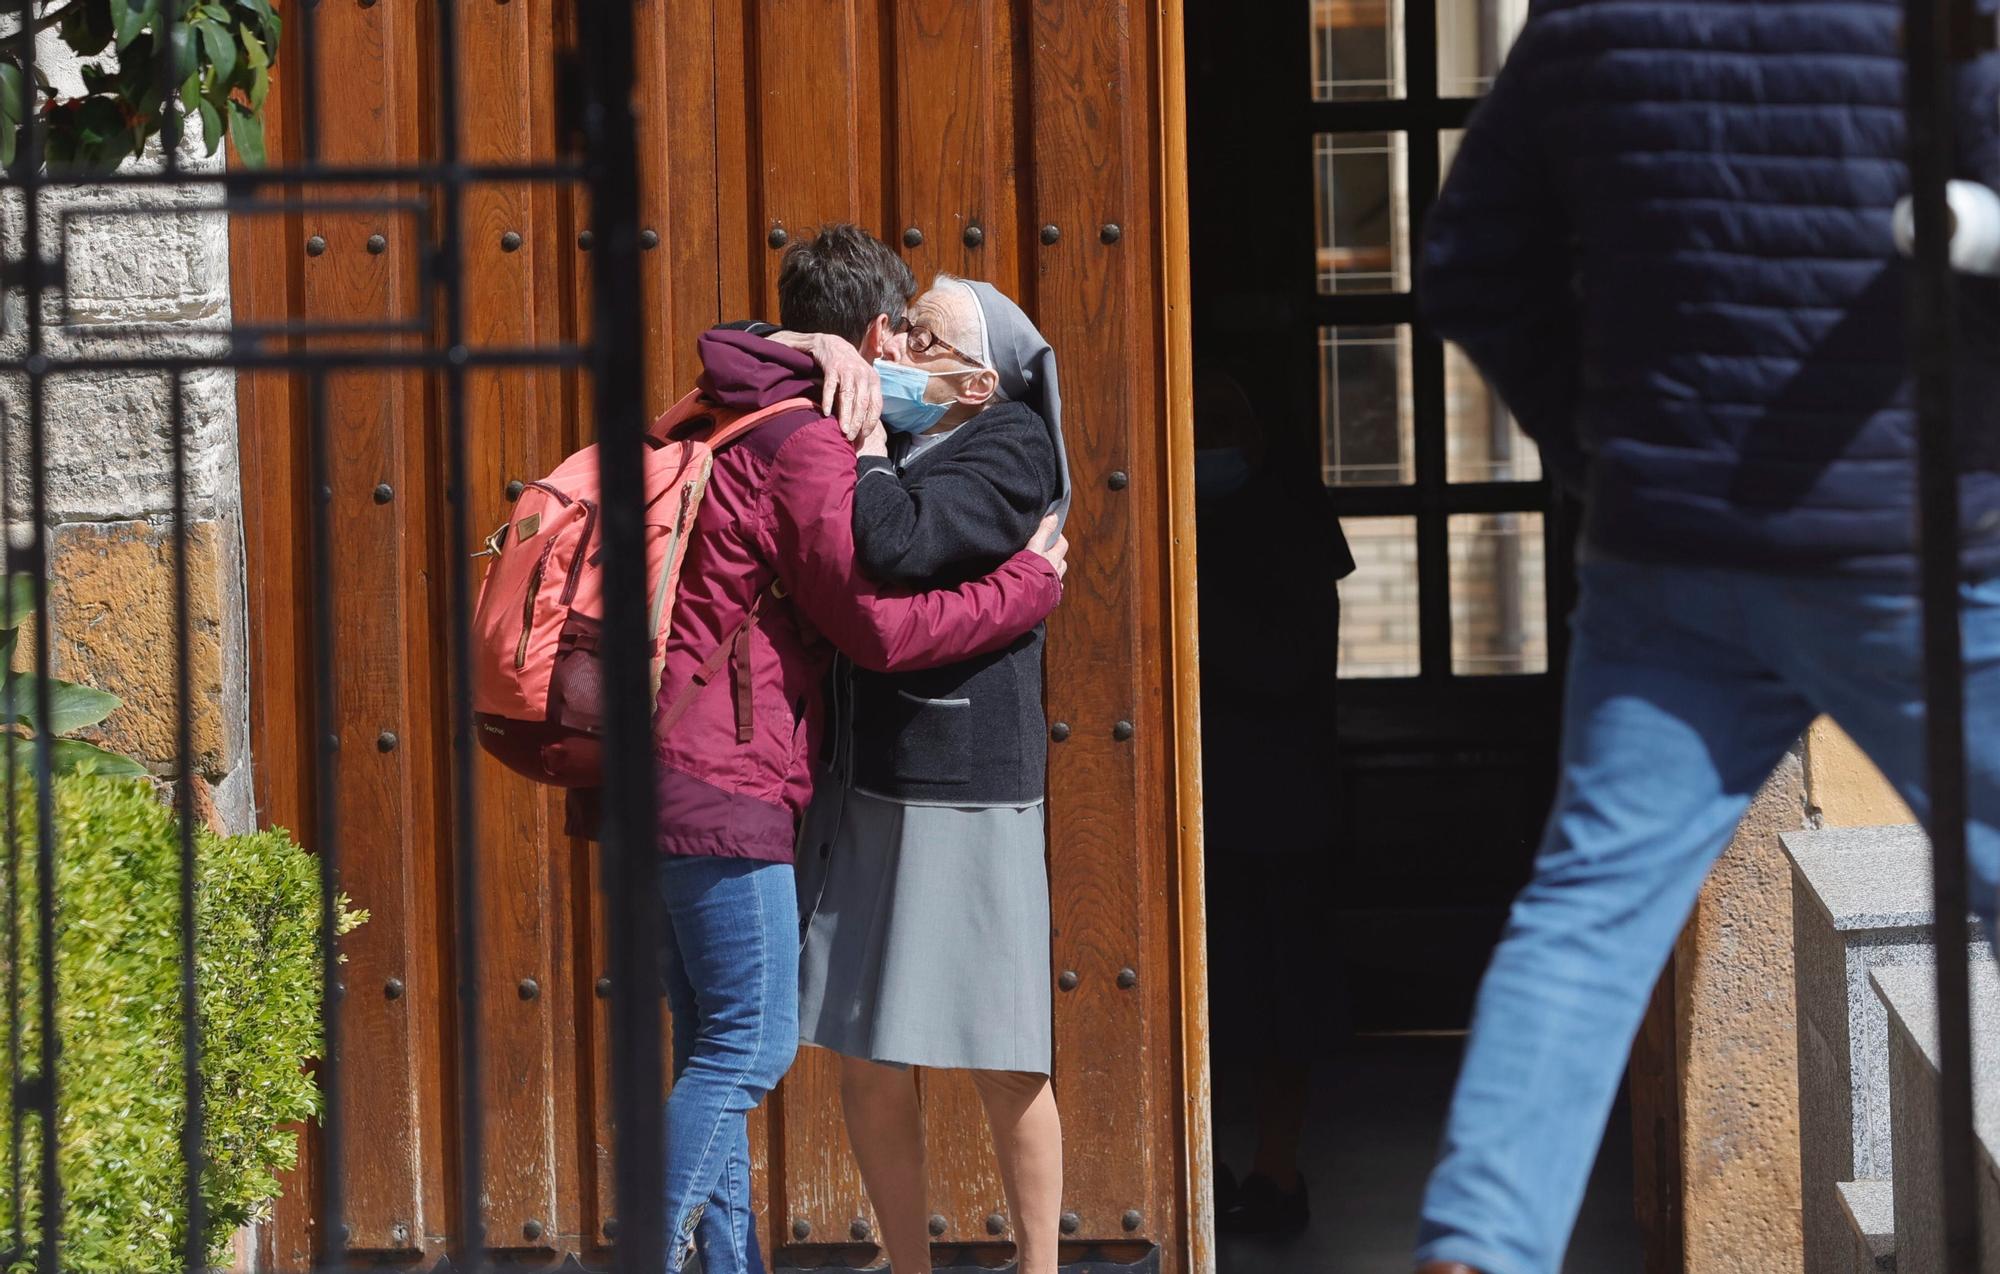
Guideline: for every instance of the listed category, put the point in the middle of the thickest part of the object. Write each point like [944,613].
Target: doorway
[1384,576]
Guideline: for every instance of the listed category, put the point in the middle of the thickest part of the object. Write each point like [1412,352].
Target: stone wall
[153,259]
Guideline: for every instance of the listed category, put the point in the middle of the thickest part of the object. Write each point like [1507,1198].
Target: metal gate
[602,163]
[1938,35]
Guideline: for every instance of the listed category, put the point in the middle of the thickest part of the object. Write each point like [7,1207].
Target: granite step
[1870,1209]
[1909,997]
[1861,901]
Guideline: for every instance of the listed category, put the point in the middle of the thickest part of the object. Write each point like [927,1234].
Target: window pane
[1366,431]
[1499,616]
[1361,211]
[1448,143]
[1378,603]
[1357,50]
[1473,39]
[1481,443]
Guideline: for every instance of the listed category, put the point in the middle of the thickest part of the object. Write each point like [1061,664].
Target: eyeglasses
[923,340]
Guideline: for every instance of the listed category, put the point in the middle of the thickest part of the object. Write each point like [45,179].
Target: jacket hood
[741,372]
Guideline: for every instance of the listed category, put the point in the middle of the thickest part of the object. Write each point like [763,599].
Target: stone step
[1870,1209]
[1861,901]
[1909,997]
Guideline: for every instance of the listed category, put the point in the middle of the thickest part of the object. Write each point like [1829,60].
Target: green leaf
[71,707]
[211,124]
[253,48]
[246,129]
[260,87]
[87,28]
[185,53]
[74,756]
[13,96]
[130,17]
[221,47]
[17,600]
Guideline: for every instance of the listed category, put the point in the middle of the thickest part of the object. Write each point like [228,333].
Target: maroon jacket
[780,507]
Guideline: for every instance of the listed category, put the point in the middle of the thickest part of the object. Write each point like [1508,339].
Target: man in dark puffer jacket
[1666,240]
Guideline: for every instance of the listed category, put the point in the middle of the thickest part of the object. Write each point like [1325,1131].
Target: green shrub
[118,1018]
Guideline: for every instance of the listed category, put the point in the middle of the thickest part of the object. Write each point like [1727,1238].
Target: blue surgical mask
[1220,472]
[903,407]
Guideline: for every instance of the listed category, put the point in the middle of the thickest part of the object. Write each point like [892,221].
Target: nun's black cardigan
[971,733]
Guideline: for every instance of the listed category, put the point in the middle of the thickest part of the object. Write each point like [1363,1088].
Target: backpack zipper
[688,490]
[582,548]
[528,605]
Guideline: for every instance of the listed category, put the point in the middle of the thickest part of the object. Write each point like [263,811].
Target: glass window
[1449,140]
[1361,209]
[1473,39]
[1378,602]
[1357,50]
[1482,443]
[1499,618]
[1366,429]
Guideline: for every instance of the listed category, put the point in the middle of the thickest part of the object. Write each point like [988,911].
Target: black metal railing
[607,172]
[1938,35]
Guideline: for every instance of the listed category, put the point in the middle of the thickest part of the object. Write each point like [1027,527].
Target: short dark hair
[839,280]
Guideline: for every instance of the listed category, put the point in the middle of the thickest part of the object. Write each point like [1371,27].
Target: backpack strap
[727,427]
[735,651]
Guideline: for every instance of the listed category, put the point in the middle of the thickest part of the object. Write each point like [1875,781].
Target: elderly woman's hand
[1051,545]
[852,392]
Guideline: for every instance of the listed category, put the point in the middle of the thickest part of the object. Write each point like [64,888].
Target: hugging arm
[977,506]
[808,534]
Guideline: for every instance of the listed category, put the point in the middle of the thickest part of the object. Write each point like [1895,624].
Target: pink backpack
[536,692]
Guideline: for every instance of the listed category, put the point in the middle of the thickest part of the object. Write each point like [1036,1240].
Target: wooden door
[1033,145]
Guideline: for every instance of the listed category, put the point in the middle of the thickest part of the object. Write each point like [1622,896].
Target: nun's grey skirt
[927,938]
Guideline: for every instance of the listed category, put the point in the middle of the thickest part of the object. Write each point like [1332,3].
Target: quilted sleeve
[1495,266]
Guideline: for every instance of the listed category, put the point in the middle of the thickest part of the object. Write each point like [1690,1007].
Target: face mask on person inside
[904,407]
[1220,471]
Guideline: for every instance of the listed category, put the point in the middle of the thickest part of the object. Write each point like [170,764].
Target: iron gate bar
[329,1252]
[328,361]
[1932,303]
[194,1156]
[616,357]
[448,273]
[328,174]
[8,705]
[34,561]
[629,838]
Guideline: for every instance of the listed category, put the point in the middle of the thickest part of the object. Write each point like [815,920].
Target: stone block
[1870,1209]
[109,445]
[1861,901]
[1909,996]
[112,626]
[1737,1049]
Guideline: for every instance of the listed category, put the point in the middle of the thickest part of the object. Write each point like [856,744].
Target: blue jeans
[730,953]
[1686,687]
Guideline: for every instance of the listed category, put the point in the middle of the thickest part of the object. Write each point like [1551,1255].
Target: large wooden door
[1031,144]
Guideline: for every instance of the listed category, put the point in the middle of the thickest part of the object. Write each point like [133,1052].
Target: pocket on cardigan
[909,740]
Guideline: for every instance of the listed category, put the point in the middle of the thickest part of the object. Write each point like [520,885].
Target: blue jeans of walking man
[1686,687]
[730,952]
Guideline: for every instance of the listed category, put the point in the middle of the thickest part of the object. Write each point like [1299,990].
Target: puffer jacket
[776,524]
[1666,241]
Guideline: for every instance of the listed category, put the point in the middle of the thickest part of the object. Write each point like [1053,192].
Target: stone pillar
[1843,786]
[1715,1071]
[146,270]
[1738,1078]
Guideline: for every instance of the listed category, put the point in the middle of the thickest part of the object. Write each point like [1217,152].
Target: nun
[924,880]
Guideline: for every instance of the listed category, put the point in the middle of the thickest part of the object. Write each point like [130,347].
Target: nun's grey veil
[1026,366]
